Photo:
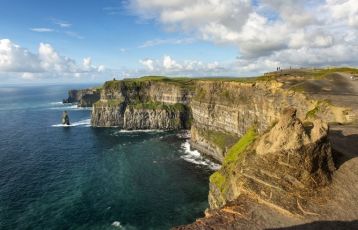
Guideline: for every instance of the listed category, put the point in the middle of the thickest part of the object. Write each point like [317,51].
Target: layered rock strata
[281,178]
[231,108]
[136,104]
[281,167]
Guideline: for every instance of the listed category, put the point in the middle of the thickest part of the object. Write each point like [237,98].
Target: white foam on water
[71,107]
[117,224]
[184,135]
[85,123]
[56,103]
[195,157]
[141,131]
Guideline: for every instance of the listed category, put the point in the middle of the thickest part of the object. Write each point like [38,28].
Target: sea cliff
[274,159]
[146,103]
[83,97]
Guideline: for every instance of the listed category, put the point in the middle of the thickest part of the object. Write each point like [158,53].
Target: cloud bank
[266,33]
[46,62]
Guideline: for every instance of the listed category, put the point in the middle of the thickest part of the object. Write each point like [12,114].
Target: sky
[96,40]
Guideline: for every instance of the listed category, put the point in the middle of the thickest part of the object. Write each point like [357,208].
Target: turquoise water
[82,177]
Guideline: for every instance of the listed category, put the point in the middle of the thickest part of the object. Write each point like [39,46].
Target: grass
[233,156]
[235,151]
[313,112]
[220,139]
[320,104]
[186,82]
[321,73]
[218,179]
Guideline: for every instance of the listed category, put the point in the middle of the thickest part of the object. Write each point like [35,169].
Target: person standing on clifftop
[65,118]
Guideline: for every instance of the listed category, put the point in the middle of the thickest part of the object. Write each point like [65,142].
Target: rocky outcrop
[108,114]
[142,104]
[278,175]
[281,168]
[83,97]
[231,108]
[65,118]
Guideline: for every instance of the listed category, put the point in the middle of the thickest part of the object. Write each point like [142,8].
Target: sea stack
[65,118]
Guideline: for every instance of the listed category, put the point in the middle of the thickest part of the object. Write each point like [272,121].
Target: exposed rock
[283,166]
[152,104]
[65,118]
[105,115]
[281,177]
[84,97]
[153,119]
[234,107]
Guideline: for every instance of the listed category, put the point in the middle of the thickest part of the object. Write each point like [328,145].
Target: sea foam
[195,157]
[85,123]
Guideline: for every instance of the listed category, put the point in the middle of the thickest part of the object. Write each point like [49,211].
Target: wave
[184,135]
[195,157]
[71,107]
[141,131]
[85,123]
[56,103]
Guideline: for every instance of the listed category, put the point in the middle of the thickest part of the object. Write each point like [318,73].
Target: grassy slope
[232,157]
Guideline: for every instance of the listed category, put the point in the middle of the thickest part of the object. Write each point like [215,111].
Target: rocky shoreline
[277,163]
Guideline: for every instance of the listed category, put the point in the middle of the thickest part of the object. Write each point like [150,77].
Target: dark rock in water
[65,118]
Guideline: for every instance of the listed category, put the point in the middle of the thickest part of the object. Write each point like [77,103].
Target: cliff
[227,109]
[283,177]
[277,166]
[146,103]
[83,97]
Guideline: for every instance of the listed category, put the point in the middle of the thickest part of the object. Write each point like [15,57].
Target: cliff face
[231,108]
[281,167]
[142,104]
[275,167]
[84,97]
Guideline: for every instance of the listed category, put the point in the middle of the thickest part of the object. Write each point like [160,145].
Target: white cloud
[346,10]
[169,66]
[61,23]
[267,33]
[47,61]
[148,63]
[42,30]
[64,24]
[13,58]
[87,62]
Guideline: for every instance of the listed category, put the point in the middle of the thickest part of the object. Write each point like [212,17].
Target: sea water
[81,177]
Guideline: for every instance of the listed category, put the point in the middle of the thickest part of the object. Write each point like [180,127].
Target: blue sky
[56,41]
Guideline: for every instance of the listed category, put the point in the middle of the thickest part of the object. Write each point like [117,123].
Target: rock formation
[83,97]
[276,165]
[142,104]
[279,179]
[65,118]
[281,167]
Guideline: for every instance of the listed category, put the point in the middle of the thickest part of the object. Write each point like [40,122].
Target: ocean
[81,177]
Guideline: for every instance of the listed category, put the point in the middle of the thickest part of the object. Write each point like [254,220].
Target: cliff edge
[282,178]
